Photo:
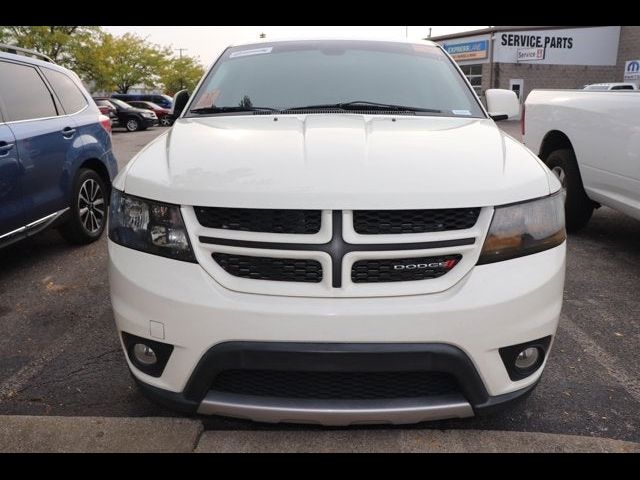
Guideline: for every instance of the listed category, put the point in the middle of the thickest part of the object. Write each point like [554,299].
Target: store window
[474,74]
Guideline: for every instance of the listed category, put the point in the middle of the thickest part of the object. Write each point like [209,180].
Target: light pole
[180,50]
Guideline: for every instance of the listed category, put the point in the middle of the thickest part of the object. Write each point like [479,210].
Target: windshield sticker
[461,112]
[208,99]
[254,51]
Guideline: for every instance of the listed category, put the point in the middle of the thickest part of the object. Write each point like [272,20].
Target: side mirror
[502,104]
[180,100]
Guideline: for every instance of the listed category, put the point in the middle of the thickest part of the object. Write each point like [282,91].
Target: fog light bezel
[162,350]
[510,354]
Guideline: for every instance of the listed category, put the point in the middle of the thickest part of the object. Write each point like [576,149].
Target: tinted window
[120,103]
[297,74]
[622,87]
[24,93]
[68,92]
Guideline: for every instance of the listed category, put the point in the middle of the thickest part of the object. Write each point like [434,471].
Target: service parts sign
[632,71]
[572,46]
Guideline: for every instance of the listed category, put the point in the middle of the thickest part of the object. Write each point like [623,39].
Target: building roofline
[488,30]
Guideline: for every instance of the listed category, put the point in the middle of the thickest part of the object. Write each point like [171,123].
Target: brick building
[524,58]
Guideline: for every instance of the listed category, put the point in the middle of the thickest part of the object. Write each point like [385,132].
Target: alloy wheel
[91,206]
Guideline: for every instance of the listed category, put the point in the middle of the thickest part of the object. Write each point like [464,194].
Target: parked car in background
[590,140]
[56,161]
[337,232]
[611,86]
[165,101]
[107,109]
[131,118]
[163,114]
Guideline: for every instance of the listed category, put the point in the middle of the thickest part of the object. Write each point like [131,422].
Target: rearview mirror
[180,100]
[502,104]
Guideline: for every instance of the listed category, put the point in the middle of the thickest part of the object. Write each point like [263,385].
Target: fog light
[524,359]
[144,354]
[527,358]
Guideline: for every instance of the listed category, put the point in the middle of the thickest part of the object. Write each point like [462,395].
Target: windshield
[120,103]
[367,75]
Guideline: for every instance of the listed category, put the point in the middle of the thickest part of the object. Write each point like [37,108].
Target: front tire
[578,206]
[165,122]
[88,209]
[132,124]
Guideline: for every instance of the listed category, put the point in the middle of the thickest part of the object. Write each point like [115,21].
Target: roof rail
[24,51]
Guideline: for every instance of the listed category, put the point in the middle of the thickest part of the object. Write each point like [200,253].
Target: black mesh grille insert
[260,220]
[402,269]
[268,268]
[377,222]
[335,385]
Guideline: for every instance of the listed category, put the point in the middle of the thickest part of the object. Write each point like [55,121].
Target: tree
[57,42]
[133,60]
[118,63]
[181,73]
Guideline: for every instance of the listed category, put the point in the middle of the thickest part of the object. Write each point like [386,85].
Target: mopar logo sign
[632,71]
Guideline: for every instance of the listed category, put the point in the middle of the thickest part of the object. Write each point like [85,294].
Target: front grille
[377,222]
[402,269]
[335,385]
[260,220]
[269,268]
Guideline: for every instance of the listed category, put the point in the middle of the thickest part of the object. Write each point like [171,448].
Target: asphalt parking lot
[59,354]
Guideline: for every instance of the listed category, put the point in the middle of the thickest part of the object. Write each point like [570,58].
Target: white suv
[336,231]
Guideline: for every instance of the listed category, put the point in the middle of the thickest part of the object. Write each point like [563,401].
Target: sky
[208,42]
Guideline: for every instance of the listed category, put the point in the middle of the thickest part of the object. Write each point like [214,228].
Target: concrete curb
[97,434]
[407,441]
[107,434]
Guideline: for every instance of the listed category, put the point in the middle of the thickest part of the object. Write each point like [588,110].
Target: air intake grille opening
[269,268]
[402,269]
[260,220]
[378,222]
[335,385]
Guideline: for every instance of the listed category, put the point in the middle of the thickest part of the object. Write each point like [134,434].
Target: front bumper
[150,122]
[493,306]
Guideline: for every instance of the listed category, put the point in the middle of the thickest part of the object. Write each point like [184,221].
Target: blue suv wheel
[88,212]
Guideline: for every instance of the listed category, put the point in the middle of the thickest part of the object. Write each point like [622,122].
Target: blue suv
[56,162]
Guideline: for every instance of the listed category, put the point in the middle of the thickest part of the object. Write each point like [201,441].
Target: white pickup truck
[591,141]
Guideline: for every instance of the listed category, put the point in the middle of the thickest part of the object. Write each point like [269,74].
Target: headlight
[148,226]
[149,114]
[524,228]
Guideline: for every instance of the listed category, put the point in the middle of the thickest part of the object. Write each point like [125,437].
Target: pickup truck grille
[269,268]
[377,222]
[260,220]
[402,269]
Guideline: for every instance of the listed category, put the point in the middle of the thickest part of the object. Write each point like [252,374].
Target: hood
[329,161]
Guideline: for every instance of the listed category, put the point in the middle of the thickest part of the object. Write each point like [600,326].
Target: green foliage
[180,73]
[110,63]
[57,42]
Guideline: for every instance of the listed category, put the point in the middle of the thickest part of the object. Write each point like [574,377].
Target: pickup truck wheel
[132,125]
[578,207]
[88,209]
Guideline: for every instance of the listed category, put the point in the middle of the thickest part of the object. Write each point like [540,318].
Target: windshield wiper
[214,109]
[360,105]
